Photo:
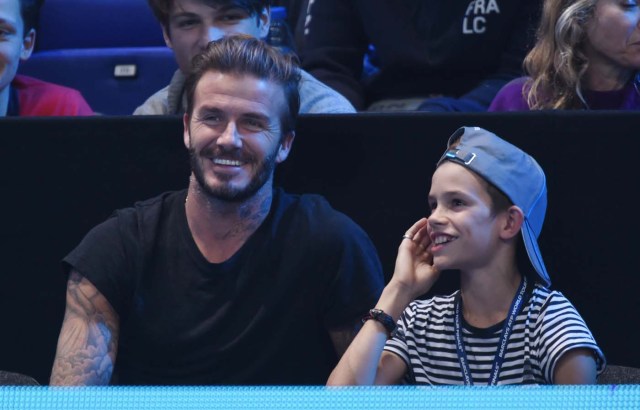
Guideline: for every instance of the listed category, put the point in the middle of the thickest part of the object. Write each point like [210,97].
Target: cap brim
[531,243]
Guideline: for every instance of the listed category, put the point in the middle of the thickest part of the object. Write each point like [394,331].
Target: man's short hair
[162,8]
[30,11]
[246,55]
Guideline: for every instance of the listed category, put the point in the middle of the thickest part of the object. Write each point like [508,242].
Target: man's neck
[220,228]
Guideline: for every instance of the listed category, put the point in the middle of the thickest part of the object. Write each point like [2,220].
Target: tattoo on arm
[88,340]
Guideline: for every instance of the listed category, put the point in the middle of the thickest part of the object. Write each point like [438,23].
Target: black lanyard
[507,328]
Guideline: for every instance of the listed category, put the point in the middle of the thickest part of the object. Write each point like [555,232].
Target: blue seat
[112,51]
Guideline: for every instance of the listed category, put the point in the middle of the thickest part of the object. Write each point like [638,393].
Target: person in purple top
[587,56]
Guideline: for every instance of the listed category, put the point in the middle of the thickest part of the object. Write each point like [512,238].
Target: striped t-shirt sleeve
[560,328]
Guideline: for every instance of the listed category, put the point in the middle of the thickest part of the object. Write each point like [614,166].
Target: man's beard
[226,192]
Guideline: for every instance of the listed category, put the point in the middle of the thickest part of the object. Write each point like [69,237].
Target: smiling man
[189,25]
[231,281]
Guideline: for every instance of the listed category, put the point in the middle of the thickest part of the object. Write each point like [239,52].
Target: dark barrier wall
[62,176]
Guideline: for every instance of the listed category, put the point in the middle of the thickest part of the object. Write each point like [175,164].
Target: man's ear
[185,134]
[285,146]
[513,220]
[264,22]
[28,43]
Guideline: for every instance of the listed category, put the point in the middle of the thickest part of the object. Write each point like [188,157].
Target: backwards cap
[513,172]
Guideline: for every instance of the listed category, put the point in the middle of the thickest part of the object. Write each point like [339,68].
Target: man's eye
[211,119]
[187,23]
[253,125]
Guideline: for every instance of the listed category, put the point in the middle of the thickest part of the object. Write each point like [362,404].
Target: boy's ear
[28,42]
[513,220]
[167,37]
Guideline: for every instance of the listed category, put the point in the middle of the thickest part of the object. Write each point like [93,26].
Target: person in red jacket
[21,95]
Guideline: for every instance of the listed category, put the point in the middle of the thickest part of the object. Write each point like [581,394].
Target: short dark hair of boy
[162,8]
[247,55]
[30,11]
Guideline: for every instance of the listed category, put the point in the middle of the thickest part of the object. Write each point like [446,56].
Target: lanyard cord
[507,328]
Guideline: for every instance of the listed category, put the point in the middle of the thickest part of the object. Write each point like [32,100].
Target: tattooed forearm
[88,340]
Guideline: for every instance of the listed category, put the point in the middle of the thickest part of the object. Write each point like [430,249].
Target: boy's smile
[462,227]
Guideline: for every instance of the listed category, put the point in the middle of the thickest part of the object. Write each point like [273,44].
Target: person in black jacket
[431,55]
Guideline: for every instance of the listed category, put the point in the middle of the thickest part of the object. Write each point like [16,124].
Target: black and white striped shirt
[547,327]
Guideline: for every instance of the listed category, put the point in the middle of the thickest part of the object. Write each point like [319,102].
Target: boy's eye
[231,17]
[457,202]
[5,32]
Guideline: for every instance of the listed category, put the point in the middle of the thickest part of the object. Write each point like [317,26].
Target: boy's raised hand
[414,265]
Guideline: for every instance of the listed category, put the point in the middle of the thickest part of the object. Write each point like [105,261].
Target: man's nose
[230,138]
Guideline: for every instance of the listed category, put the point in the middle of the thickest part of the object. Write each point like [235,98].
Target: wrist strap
[387,321]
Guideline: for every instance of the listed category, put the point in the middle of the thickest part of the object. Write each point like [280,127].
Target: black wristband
[387,321]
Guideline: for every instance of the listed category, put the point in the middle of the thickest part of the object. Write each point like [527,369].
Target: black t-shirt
[260,317]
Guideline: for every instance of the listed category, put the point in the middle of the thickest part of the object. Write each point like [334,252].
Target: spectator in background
[21,95]
[431,55]
[189,25]
[296,15]
[587,56]
[229,281]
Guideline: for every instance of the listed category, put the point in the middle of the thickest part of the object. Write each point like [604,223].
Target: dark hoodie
[464,51]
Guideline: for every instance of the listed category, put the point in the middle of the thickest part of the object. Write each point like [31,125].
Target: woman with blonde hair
[587,56]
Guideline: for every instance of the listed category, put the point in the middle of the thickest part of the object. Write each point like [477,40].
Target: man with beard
[231,281]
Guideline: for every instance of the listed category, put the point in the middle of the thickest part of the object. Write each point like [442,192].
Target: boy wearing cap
[504,325]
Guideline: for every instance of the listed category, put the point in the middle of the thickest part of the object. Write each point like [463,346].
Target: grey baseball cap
[513,172]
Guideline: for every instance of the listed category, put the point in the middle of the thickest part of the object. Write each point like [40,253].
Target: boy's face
[464,231]
[193,24]
[15,45]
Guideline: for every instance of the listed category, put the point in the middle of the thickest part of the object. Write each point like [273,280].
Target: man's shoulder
[318,98]
[42,98]
[305,203]
[315,213]
[151,208]
[511,96]
[157,104]
[24,82]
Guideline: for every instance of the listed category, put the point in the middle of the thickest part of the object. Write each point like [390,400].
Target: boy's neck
[487,298]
